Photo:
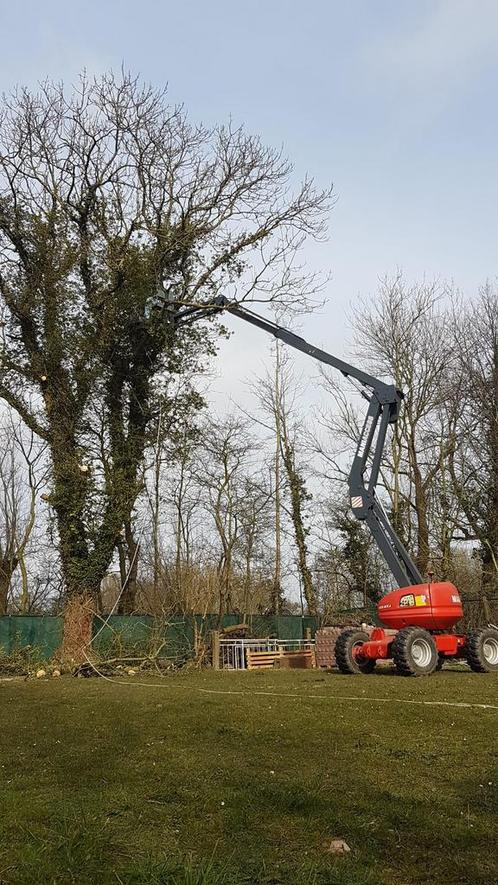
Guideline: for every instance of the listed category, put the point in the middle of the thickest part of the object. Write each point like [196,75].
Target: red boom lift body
[435,608]
[419,617]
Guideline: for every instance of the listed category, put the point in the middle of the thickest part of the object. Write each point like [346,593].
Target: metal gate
[233,651]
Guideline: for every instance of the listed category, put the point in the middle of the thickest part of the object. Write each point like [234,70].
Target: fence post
[307,634]
[215,649]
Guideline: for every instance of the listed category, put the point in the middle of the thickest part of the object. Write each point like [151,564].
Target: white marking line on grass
[326,697]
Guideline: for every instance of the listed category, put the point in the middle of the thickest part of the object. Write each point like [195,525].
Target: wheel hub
[422,652]
[490,650]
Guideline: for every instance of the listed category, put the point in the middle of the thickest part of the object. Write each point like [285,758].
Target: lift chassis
[419,617]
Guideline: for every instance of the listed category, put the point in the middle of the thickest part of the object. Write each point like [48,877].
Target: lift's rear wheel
[345,658]
[414,652]
[481,650]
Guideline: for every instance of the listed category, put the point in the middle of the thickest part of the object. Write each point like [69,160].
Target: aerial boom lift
[421,615]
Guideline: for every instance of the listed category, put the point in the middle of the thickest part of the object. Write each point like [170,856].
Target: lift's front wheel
[481,650]
[414,652]
[347,661]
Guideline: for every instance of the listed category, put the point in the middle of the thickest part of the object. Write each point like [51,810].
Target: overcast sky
[392,100]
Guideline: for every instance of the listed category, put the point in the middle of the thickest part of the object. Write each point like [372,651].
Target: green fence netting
[42,634]
[138,634]
[121,635]
[130,634]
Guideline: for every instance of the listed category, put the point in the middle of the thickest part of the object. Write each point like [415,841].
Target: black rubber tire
[402,650]
[344,658]
[440,661]
[478,658]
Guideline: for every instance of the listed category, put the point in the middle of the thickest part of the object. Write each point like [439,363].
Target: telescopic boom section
[384,401]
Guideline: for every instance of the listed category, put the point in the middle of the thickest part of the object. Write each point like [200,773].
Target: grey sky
[392,100]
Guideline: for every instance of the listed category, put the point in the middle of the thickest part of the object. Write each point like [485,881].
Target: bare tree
[227,454]
[402,335]
[277,394]
[106,195]
[23,472]
[277,593]
[472,410]
[171,482]
[256,525]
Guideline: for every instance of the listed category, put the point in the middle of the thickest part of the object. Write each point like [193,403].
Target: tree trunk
[83,568]
[276,599]
[8,565]
[4,592]
[296,490]
[423,549]
[489,569]
[78,625]
[127,601]
[123,571]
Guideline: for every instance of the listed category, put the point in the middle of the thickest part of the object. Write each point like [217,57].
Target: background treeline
[249,513]
[119,487]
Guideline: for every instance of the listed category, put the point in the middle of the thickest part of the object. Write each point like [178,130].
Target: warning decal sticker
[421,600]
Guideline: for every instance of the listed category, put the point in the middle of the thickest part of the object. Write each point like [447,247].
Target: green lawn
[231,778]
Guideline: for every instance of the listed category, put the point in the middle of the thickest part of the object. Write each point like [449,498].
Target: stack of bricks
[325,640]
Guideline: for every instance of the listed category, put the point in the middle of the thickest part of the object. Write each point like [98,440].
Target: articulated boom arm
[383,409]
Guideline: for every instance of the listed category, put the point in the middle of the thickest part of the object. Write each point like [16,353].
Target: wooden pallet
[269,660]
[303,659]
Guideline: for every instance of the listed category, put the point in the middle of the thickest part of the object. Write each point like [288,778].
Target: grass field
[221,778]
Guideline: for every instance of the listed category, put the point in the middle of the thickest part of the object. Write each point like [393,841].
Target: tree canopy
[107,195]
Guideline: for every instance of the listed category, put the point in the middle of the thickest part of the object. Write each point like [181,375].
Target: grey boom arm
[384,405]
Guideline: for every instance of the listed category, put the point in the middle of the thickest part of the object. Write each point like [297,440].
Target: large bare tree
[107,194]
